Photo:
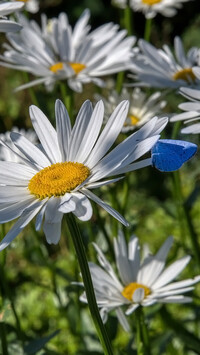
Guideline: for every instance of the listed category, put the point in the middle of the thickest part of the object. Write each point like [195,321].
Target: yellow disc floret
[185,74]
[77,67]
[129,290]
[133,119]
[58,179]
[151,2]
[56,67]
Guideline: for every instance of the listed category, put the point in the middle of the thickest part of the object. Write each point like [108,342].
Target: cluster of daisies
[45,174]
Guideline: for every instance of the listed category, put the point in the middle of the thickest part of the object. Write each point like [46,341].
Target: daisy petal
[25,218]
[171,272]
[106,207]
[46,134]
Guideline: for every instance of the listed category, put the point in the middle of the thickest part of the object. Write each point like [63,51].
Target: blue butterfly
[170,154]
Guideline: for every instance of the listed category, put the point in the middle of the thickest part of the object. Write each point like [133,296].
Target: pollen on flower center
[151,2]
[185,74]
[56,67]
[129,290]
[58,179]
[23,0]
[77,67]
[133,120]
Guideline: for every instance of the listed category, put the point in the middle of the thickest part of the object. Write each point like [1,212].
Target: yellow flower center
[133,119]
[77,67]
[151,2]
[129,290]
[58,179]
[23,0]
[56,67]
[185,74]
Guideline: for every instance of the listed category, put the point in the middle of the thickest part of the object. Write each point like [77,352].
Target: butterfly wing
[169,154]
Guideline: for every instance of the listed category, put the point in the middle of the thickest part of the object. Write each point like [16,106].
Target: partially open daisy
[57,177]
[7,8]
[191,116]
[159,68]
[143,283]
[151,8]
[56,52]
[141,109]
[31,5]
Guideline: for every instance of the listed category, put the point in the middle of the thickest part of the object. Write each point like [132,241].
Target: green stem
[4,343]
[147,30]
[185,217]
[128,20]
[67,97]
[143,343]
[80,252]
[119,82]
[31,91]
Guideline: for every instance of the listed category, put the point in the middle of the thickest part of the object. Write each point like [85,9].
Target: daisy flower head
[8,154]
[31,5]
[191,116]
[160,68]
[57,176]
[151,8]
[141,283]
[7,8]
[58,52]
[141,108]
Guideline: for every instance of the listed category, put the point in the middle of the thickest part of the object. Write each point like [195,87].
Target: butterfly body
[169,154]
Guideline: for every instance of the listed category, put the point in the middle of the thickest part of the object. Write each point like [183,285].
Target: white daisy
[57,177]
[7,154]
[7,8]
[142,283]
[56,52]
[141,108]
[31,5]
[192,111]
[151,8]
[159,68]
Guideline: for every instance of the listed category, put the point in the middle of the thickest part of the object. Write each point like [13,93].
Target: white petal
[152,267]
[171,272]
[30,151]
[25,218]
[83,210]
[79,128]
[109,134]
[63,125]
[46,134]
[106,207]
[15,174]
[138,295]
[12,194]
[91,133]
[122,319]
[131,309]
[15,210]
[52,232]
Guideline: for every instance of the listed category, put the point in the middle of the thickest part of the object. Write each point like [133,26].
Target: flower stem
[31,91]
[184,216]
[4,343]
[143,344]
[128,19]
[67,97]
[147,30]
[80,252]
